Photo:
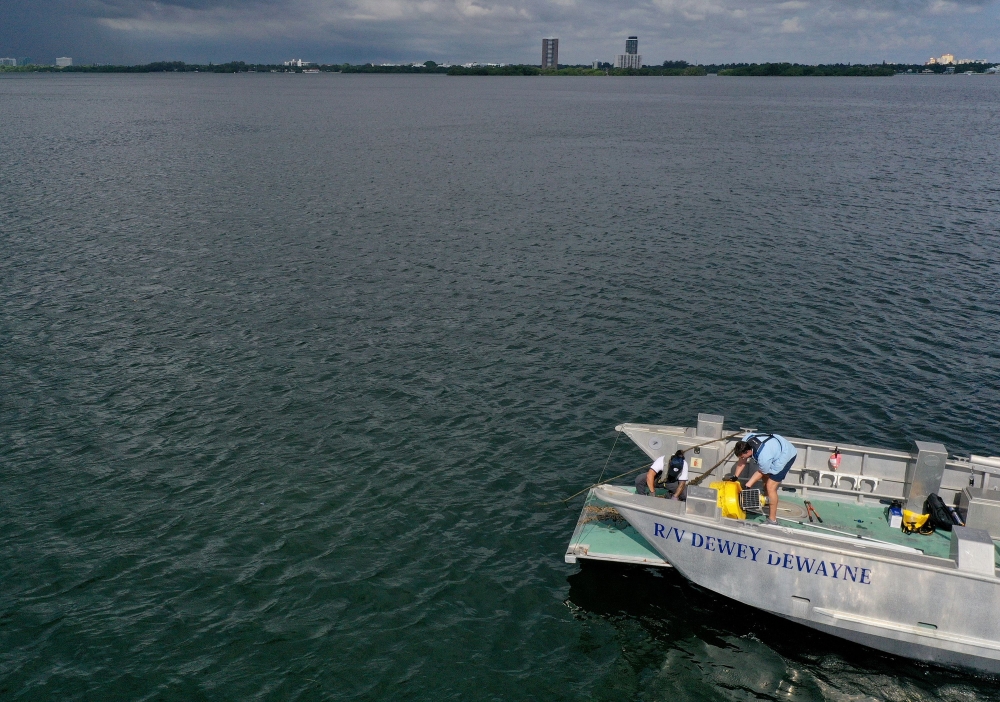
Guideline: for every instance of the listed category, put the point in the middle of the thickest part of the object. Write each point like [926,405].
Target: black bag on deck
[940,517]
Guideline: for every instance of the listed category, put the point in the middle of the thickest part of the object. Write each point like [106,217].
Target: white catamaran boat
[933,597]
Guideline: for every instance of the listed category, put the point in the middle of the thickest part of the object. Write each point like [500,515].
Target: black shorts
[783,473]
[642,489]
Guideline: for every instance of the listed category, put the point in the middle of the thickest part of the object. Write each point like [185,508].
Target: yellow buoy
[728,493]
[728,497]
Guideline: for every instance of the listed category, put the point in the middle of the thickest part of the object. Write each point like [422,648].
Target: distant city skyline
[631,59]
[460,31]
[946,59]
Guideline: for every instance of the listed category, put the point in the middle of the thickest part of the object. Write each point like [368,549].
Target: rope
[646,467]
[614,477]
[603,514]
[722,438]
[609,455]
[700,478]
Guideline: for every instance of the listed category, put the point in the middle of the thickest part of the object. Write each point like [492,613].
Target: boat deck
[853,519]
[602,534]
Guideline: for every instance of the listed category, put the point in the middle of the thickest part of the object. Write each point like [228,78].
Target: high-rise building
[550,53]
[24,61]
[64,61]
[628,61]
[8,62]
[631,58]
[943,60]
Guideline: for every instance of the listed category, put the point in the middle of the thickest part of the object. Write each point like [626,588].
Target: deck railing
[865,473]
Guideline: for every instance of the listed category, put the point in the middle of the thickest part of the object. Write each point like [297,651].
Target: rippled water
[287,364]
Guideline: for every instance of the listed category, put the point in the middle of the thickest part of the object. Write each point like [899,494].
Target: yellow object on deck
[913,521]
[729,498]
[728,493]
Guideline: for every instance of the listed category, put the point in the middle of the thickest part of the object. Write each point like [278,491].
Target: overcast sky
[704,31]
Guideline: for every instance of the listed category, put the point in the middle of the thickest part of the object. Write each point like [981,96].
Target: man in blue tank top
[774,456]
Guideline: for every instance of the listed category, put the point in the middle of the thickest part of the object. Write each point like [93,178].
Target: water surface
[288,362]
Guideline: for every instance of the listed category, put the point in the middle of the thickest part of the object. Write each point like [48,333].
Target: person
[774,456]
[676,476]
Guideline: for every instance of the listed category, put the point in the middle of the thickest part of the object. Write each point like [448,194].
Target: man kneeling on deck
[774,456]
[675,478]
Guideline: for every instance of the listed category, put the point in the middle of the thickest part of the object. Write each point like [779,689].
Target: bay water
[290,366]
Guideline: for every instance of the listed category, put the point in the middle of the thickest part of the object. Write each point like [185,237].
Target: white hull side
[908,649]
[888,600]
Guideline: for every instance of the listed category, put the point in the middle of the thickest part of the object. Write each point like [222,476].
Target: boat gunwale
[815,443]
[955,463]
[868,550]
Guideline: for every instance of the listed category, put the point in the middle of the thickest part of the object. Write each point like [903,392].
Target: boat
[933,597]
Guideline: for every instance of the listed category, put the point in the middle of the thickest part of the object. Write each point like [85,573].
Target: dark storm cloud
[501,30]
[126,8]
[45,29]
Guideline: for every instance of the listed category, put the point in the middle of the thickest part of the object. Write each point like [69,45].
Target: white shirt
[658,467]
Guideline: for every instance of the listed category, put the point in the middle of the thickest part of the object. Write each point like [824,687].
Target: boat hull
[910,649]
[888,598]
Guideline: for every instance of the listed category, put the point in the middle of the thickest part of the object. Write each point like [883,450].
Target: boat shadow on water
[674,635]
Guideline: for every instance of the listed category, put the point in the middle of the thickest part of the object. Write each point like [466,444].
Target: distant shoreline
[670,68]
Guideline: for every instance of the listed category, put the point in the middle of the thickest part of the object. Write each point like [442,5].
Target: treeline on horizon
[840,69]
[528,70]
[230,67]
[682,68]
[793,69]
[669,68]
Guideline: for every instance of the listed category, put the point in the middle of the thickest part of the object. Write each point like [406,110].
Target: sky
[507,31]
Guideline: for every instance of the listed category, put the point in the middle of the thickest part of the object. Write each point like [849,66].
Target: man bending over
[774,456]
[675,477]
